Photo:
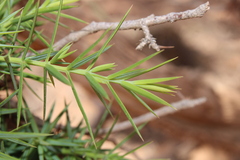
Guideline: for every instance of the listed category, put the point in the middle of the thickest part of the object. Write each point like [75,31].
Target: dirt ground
[209,61]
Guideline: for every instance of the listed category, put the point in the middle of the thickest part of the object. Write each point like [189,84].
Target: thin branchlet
[143,24]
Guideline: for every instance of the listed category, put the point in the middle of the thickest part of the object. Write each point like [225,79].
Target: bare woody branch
[142,23]
[184,104]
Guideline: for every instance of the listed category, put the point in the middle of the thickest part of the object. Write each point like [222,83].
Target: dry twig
[184,104]
[142,23]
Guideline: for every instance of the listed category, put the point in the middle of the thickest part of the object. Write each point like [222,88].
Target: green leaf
[53,21]
[10,32]
[87,51]
[154,80]
[46,7]
[7,21]
[128,69]
[79,61]
[20,127]
[80,57]
[28,6]
[142,102]
[167,86]
[160,65]
[62,51]
[133,150]
[3,6]
[50,125]
[8,98]
[70,131]
[124,109]
[20,135]
[8,111]
[156,88]
[51,9]
[65,55]
[119,145]
[10,46]
[105,138]
[14,39]
[54,72]
[5,65]
[51,79]
[45,73]
[55,28]
[32,90]
[46,128]
[18,141]
[26,75]
[148,70]
[109,39]
[70,17]
[81,108]
[57,3]
[103,117]
[29,40]
[103,67]
[41,56]
[129,74]
[20,94]
[40,152]
[64,142]
[143,93]
[7,157]
[96,86]
[32,120]
[41,38]
[83,61]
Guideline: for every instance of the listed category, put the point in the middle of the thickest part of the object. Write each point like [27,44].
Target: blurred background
[208,54]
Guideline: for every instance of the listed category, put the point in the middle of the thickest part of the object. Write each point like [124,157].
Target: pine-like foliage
[29,141]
